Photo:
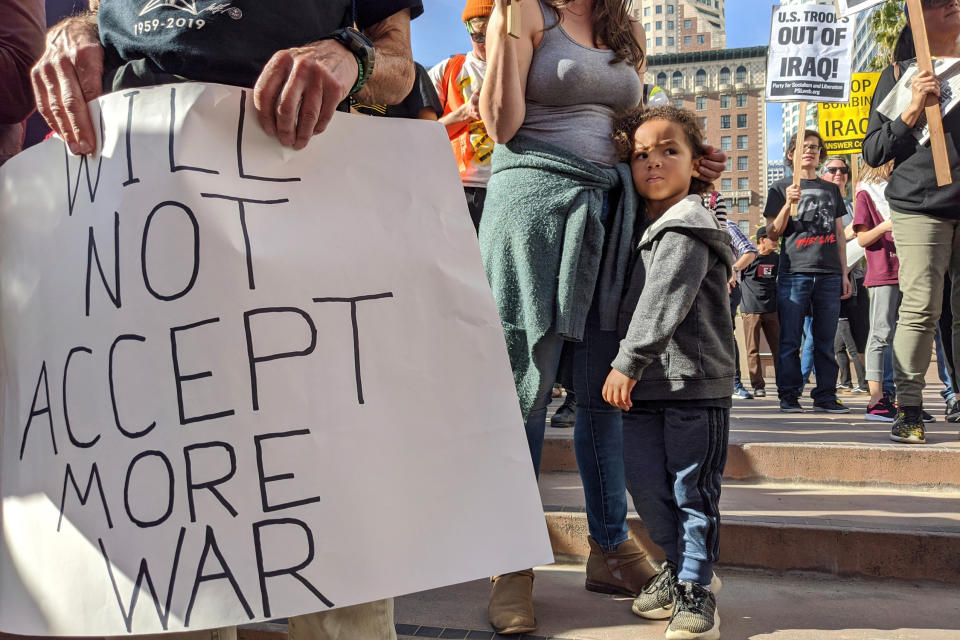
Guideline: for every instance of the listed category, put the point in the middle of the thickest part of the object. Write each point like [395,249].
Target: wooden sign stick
[513,18]
[938,144]
[798,150]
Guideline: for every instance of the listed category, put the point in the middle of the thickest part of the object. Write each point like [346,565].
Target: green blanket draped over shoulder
[542,239]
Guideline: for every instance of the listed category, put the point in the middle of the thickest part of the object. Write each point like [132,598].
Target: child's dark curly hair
[626,123]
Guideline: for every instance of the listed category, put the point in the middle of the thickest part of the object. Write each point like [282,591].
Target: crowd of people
[609,255]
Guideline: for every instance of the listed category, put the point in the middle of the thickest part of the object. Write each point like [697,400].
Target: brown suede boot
[511,603]
[624,571]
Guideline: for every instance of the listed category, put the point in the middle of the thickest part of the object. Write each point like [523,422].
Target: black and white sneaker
[830,406]
[790,405]
[655,601]
[695,614]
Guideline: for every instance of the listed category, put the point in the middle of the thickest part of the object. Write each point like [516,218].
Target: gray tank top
[573,92]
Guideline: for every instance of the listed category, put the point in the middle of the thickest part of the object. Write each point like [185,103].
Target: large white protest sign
[810,55]
[241,382]
[947,71]
[849,7]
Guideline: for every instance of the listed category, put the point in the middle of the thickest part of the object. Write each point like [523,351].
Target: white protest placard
[810,55]
[241,382]
[947,71]
[849,7]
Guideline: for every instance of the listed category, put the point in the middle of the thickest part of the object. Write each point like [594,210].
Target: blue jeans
[806,349]
[943,371]
[797,292]
[674,459]
[597,432]
[889,388]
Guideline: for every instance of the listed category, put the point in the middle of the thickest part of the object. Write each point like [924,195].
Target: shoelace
[691,599]
[665,575]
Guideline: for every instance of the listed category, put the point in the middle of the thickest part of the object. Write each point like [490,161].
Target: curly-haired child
[674,371]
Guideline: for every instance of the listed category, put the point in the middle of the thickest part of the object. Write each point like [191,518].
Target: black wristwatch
[361,47]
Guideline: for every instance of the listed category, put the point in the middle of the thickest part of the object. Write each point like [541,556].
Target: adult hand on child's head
[68,75]
[617,389]
[709,167]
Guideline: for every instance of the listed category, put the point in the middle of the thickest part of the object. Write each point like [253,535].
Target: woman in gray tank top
[556,237]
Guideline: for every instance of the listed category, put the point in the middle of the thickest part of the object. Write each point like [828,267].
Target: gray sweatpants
[884,303]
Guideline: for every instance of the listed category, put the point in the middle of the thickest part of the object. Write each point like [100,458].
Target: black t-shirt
[155,41]
[758,283]
[422,96]
[809,243]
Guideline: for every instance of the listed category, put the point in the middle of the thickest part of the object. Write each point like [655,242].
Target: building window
[741,99]
[678,103]
[662,79]
[726,184]
[676,80]
[741,142]
[700,40]
[646,11]
[670,8]
[703,124]
[724,122]
[725,76]
[743,205]
[701,103]
[670,41]
[659,9]
[728,204]
[659,42]
[688,24]
[687,39]
[670,25]
[745,227]
[724,102]
[742,163]
[729,164]
[741,121]
[725,143]
[743,184]
[659,24]
[741,74]
[646,26]
[701,78]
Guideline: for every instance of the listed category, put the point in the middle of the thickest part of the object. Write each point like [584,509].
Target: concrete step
[877,532]
[815,448]
[753,605]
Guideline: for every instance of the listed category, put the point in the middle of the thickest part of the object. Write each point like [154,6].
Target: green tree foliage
[885,25]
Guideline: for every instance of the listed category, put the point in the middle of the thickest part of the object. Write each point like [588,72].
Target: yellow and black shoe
[908,427]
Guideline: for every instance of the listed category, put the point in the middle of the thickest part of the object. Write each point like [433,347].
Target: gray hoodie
[675,314]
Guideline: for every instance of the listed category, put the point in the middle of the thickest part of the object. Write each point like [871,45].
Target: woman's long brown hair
[611,26]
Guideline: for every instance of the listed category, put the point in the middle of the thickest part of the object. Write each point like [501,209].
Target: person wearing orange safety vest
[458,80]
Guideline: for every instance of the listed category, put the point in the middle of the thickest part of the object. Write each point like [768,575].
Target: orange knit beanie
[477,9]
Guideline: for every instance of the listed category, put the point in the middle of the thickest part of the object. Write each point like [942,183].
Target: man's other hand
[68,75]
[299,90]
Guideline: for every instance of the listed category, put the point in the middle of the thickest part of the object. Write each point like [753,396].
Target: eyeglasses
[479,38]
[841,170]
[811,147]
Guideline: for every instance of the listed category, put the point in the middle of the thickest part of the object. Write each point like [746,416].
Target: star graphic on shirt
[190,6]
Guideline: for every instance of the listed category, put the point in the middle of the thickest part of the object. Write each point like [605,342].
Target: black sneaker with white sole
[790,405]
[695,614]
[830,406]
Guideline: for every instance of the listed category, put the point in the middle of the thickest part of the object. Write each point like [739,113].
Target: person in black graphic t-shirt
[758,307]
[301,58]
[302,62]
[813,273]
